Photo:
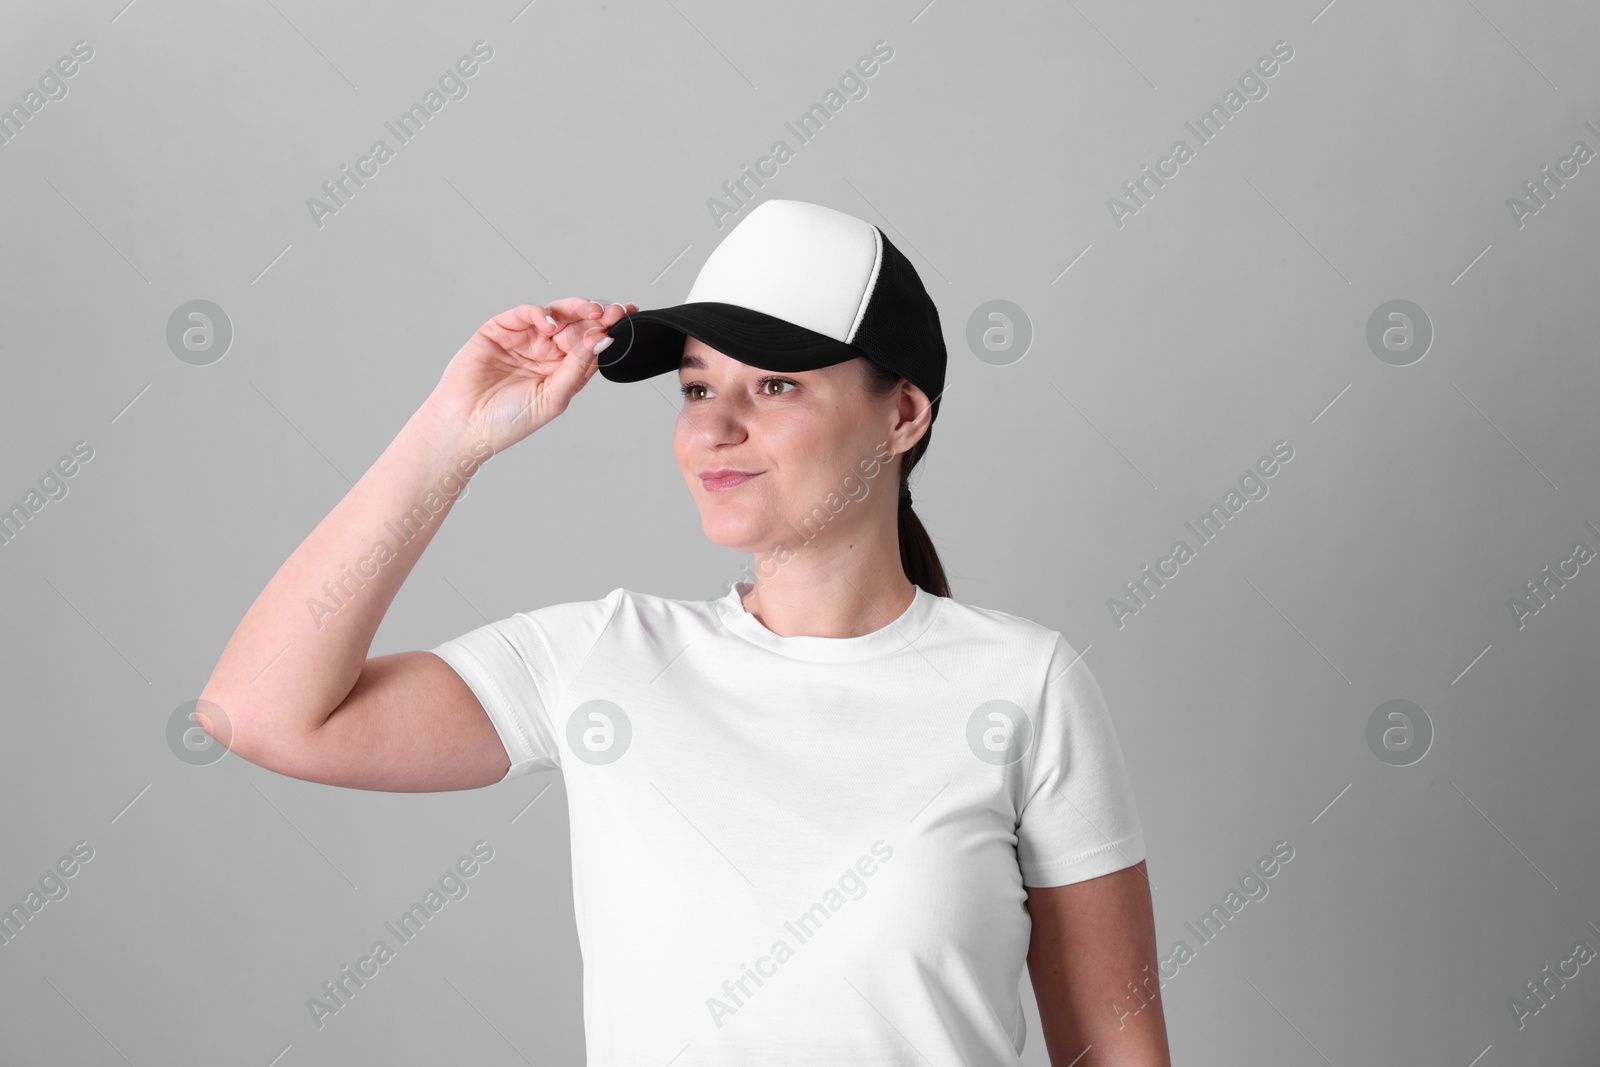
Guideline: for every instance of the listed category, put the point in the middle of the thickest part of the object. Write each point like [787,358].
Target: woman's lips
[725,482]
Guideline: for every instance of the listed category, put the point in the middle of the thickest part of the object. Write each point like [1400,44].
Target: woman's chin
[738,532]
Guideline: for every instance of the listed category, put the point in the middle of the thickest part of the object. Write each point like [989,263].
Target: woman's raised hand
[521,369]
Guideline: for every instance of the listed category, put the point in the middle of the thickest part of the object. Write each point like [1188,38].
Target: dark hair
[917,554]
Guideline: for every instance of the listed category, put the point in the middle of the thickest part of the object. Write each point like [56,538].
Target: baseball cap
[794,286]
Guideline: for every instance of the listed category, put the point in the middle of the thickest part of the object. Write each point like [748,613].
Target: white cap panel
[829,267]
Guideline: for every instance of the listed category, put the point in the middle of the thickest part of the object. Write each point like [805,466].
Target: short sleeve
[1078,819]
[516,667]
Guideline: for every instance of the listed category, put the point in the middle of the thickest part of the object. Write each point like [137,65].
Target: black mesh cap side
[900,329]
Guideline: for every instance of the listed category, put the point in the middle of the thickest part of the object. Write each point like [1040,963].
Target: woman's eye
[763,385]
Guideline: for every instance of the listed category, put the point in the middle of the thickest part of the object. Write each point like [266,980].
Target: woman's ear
[915,412]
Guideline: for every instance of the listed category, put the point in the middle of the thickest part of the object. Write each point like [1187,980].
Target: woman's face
[807,439]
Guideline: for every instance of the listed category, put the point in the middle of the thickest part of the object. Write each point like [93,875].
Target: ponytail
[917,554]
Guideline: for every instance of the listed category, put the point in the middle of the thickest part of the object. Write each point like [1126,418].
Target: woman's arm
[1092,959]
[299,652]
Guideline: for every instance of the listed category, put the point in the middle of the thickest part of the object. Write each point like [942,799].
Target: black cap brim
[647,343]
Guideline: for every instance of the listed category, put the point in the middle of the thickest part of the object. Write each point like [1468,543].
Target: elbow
[215,721]
[210,724]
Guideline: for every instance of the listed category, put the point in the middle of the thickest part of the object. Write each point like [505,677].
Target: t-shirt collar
[896,636]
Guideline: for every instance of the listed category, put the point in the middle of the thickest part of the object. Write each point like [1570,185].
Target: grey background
[1228,314]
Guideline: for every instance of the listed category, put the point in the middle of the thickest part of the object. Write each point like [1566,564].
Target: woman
[822,818]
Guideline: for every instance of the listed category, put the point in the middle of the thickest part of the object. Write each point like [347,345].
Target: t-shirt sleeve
[517,667]
[1078,819]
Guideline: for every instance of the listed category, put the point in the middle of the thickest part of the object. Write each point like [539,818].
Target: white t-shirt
[807,850]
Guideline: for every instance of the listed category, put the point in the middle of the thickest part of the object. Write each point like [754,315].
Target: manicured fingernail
[601,347]
[551,321]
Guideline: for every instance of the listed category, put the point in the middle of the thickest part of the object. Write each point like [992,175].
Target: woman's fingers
[578,318]
[566,323]
[614,314]
[580,309]
[572,309]
[509,328]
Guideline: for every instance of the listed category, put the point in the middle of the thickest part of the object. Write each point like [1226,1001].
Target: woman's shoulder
[605,610]
[1005,624]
